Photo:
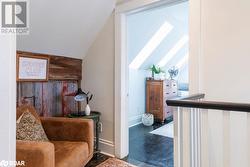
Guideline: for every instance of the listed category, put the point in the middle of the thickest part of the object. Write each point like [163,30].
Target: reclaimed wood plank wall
[64,68]
[65,76]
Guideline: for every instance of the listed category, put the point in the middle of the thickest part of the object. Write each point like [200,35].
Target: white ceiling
[66,28]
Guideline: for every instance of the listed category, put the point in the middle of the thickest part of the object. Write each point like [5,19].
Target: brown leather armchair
[71,143]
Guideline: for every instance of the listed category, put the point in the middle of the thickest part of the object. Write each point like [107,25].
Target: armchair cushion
[69,129]
[35,154]
[71,153]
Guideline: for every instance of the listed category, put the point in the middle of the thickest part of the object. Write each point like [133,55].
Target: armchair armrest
[69,129]
[33,153]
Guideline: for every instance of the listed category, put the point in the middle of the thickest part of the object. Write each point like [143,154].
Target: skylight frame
[174,50]
[151,45]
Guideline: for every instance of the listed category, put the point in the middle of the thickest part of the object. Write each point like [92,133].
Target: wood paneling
[65,76]
[49,96]
[63,68]
[60,68]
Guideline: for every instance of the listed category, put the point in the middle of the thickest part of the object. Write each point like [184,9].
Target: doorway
[122,94]
[156,38]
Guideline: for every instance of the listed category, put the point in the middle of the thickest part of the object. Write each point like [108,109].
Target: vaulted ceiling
[66,28]
[159,36]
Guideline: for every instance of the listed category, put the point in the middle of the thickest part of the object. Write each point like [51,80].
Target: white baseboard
[135,124]
[107,147]
[110,155]
[135,120]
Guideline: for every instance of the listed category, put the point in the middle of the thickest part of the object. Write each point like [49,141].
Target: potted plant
[155,70]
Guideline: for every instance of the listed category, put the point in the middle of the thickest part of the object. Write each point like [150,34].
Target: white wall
[225,50]
[224,66]
[98,78]
[8,97]
[137,96]
[63,27]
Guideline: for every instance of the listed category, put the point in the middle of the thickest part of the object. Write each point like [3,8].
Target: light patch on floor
[166,130]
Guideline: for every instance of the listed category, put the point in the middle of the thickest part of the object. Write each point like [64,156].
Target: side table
[95,116]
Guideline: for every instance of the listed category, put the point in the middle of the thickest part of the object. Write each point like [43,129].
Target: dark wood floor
[98,159]
[150,149]
[145,149]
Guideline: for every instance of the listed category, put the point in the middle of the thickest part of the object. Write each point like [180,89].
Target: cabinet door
[154,98]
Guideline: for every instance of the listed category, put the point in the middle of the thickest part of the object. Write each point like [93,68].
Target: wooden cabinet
[157,92]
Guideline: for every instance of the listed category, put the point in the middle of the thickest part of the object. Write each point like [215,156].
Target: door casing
[121,68]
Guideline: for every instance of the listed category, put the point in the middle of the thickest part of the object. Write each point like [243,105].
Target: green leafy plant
[156,70]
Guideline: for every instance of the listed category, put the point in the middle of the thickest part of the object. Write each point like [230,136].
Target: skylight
[173,51]
[151,45]
[182,62]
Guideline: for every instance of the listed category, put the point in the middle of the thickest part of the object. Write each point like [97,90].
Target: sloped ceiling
[143,25]
[66,28]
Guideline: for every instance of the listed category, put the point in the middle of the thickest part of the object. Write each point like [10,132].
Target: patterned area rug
[114,162]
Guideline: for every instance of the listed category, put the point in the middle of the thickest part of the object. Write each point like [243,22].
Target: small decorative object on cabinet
[157,92]
[79,97]
[173,72]
[87,110]
[148,119]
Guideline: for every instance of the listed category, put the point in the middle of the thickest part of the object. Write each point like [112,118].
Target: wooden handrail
[189,102]
[191,97]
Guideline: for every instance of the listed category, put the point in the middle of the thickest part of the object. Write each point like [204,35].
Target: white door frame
[8,97]
[121,67]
